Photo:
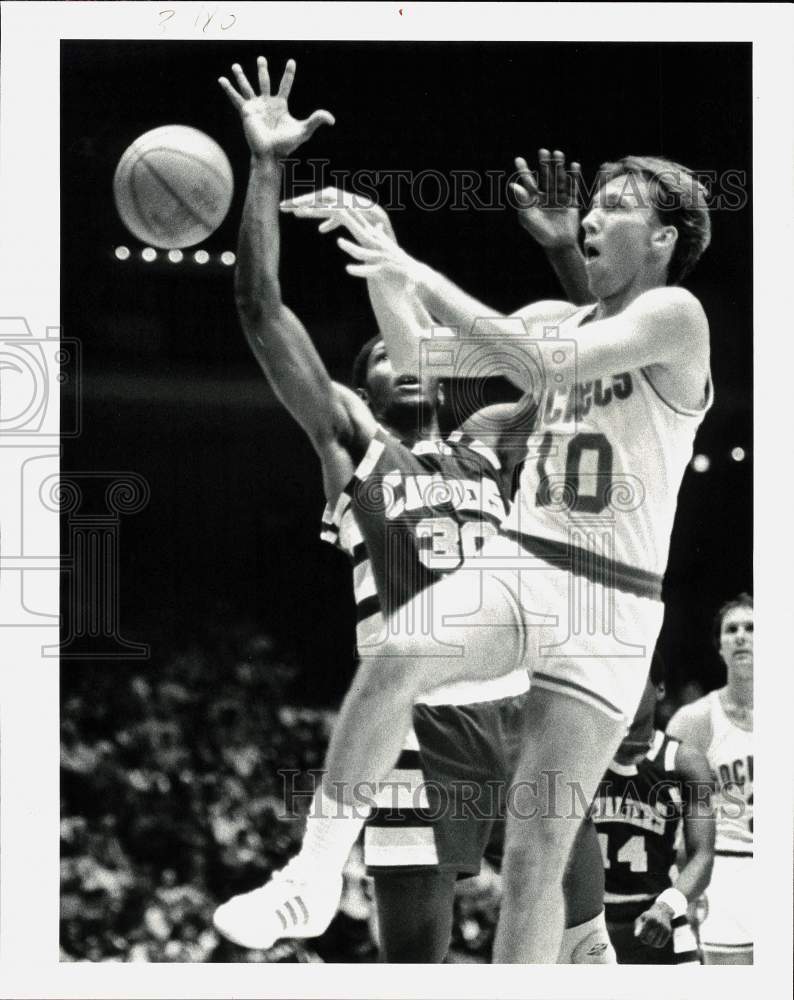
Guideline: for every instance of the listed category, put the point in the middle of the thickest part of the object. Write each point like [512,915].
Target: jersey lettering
[588,474]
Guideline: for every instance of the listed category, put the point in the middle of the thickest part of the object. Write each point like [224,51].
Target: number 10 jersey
[605,462]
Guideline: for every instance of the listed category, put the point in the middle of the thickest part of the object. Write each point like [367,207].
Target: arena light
[228,258]
[738,454]
[701,463]
[175,256]
[122,253]
[201,256]
[149,254]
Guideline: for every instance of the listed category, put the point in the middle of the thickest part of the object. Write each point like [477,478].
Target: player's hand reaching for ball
[336,208]
[547,207]
[269,127]
[379,255]
[655,925]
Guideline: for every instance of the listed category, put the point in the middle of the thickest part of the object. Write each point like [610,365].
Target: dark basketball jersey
[407,517]
[637,811]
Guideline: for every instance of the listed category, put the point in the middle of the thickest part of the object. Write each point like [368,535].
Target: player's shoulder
[673,305]
[546,311]
[691,724]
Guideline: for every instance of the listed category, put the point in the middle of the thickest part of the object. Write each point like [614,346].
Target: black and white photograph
[395,423]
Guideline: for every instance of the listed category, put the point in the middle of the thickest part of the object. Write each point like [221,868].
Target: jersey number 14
[632,852]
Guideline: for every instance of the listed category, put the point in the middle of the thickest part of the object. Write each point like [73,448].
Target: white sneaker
[290,905]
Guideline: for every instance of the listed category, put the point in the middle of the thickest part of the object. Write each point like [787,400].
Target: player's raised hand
[547,207]
[655,925]
[336,208]
[377,254]
[269,127]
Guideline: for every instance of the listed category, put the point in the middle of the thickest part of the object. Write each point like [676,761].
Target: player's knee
[537,849]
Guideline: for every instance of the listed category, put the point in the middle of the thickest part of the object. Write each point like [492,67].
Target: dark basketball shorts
[443,806]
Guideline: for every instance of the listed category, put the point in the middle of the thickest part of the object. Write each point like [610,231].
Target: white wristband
[675,899]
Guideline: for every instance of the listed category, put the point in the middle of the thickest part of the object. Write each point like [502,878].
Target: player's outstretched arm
[401,288]
[278,339]
[664,325]
[548,209]
[402,319]
[335,208]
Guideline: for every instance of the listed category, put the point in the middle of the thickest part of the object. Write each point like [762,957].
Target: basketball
[173,186]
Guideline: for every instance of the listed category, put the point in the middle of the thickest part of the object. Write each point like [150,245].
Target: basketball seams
[174,194]
[129,207]
[220,176]
[133,192]
[197,181]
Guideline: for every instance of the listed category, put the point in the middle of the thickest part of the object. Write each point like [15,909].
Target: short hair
[679,200]
[358,374]
[744,600]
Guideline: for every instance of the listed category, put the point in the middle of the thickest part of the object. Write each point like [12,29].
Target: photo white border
[29,286]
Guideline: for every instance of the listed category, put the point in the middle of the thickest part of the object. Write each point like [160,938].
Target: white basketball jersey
[605,463]
[730,757]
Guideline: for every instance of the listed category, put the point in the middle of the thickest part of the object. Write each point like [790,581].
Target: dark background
[169,390]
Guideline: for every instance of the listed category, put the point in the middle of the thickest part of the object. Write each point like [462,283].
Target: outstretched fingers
[264,76]
[559,175]
[526,188]
[287,79]
[545,169]
[575,182]
[242,82]
[329,196]
[523,197]
[367,255]
[231,93]
[363,270]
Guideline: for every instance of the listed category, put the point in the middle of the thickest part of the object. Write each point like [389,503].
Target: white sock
[587,944]
[331,831]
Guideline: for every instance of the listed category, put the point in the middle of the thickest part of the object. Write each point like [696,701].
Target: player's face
[387,390]
[736,639]
[618,231]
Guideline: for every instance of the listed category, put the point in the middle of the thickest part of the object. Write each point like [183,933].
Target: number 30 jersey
[408,516]
[605,462]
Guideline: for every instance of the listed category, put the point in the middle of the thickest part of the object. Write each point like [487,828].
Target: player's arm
[403,318]
[699,822]
[504,428]
[548,210]
[403,321]
[663,326]
[277,337]
[328,413]
[654,926]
